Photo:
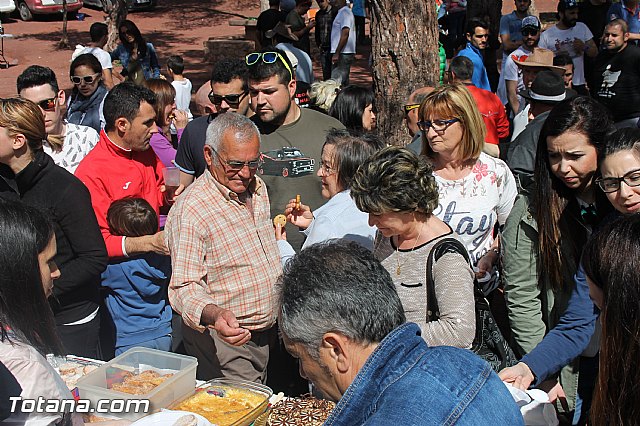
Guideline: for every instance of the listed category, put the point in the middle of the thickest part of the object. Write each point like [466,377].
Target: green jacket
[533,307]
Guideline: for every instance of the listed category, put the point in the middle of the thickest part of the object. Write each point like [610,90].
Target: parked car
[131,4]
[7,6]
[285,162]
[28,8]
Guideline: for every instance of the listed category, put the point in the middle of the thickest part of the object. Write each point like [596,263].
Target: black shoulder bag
[489,343]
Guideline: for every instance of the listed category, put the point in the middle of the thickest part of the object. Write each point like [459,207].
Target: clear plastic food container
[227,402]
[97,385]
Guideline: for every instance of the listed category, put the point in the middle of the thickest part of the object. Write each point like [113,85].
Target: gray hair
[337,286]
[243,128]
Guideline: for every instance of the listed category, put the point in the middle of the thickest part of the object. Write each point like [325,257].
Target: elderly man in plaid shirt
[224,257]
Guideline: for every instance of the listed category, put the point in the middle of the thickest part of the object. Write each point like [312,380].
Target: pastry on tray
[305,410]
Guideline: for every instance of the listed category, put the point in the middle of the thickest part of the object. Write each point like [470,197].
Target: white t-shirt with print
[78,141]
[558,40]
[472,205]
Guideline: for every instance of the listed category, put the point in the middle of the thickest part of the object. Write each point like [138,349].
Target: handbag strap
[445,245]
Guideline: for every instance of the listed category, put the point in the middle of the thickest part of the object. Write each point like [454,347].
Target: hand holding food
[280,220]
[298,214]
[180,119]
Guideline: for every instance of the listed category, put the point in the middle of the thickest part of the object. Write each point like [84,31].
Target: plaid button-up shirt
[223,252]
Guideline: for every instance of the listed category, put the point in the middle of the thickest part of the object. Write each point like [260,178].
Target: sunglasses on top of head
[267,58]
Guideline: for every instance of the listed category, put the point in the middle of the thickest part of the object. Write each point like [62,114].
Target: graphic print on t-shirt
[609,79]
[285,162]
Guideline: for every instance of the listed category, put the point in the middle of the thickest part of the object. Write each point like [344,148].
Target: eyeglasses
[612,184]
[438,125]
[481,35]
[88,79]
[327,170]
[409,107]
[236,166]
[267,58]
[529,31]
[232,100]
[47,104]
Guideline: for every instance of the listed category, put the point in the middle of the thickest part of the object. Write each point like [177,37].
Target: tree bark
[404,49]
[116,13]
[64,41]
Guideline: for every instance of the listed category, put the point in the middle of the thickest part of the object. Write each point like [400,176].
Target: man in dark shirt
[593,13]
[324,21]
[616,75]
[228,94]
[269,19]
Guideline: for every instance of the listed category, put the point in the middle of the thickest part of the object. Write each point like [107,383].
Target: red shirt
[111,173]
[493,114]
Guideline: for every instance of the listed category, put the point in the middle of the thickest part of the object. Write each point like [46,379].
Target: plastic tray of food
[72,368]
[227,402]
[140,374]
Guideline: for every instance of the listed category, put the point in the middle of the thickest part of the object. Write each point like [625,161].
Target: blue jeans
[342,68]
[161,343]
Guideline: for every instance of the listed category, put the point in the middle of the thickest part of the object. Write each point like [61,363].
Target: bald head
[203,104]
[411,117]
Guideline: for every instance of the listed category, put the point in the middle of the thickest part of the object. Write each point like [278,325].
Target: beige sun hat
[540,58]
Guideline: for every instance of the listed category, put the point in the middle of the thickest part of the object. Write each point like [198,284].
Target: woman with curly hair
[398,190]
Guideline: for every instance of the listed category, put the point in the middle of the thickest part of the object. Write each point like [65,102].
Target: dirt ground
[174,27]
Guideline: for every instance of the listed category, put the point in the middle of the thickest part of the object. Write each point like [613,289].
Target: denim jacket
[405,382]
[148,63]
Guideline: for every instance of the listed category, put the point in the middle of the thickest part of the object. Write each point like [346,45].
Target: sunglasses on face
[47,104]
[529,32]
[232,100]
[88,79]
[236,166]
[267,58]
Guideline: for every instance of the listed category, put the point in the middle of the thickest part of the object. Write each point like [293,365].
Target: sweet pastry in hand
[280,220]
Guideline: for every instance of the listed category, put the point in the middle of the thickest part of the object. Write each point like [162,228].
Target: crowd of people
[535,175]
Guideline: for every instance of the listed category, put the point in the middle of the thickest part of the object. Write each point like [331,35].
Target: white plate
[168,418]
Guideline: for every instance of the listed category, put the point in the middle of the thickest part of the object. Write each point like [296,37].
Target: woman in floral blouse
[476,191]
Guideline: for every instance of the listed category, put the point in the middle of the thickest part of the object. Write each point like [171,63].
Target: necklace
[415,243]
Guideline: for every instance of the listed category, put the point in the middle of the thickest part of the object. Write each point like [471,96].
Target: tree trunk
[64,41]
[404,38]
[264,5]
[116,13]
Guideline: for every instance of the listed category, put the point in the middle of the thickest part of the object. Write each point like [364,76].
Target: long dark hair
[349,106]
[551,195]
[139,42]
[611,261]
[90,61]
[25,314]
